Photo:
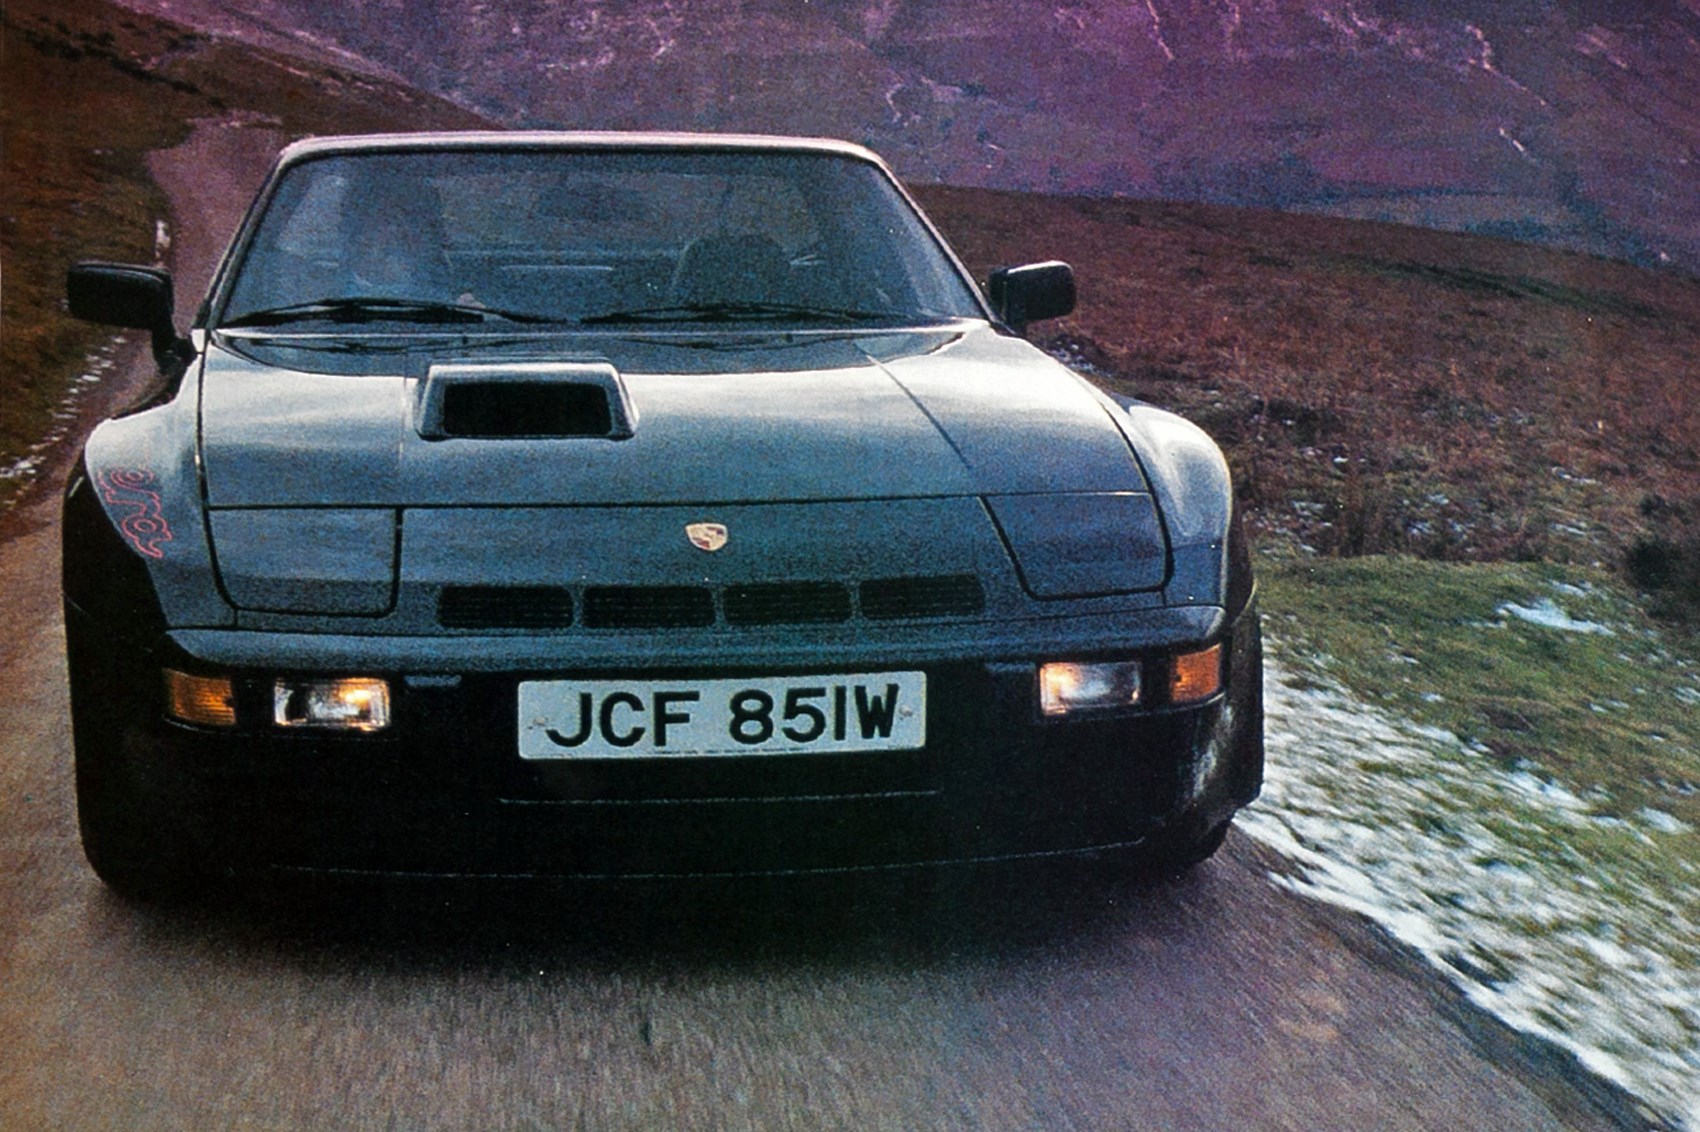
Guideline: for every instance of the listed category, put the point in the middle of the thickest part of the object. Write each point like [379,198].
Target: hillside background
[1570,122]
[1378,387]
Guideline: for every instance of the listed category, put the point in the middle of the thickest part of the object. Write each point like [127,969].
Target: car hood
[767,418]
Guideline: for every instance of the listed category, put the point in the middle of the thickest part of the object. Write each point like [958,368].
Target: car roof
[565,140]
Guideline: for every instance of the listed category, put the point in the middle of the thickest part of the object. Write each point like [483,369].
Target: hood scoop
[525,400]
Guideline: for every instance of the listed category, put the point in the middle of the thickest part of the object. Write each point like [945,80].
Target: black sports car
[617,505]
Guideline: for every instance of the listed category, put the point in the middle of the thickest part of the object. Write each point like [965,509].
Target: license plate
[576,719]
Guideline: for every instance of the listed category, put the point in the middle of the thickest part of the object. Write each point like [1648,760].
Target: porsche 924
[531,504]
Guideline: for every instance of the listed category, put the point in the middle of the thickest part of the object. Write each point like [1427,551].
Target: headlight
[1065,688]
[353,704]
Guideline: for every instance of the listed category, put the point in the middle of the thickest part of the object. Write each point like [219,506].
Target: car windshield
[591,237]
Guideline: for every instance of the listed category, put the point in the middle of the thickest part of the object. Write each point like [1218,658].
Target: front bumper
[443,792]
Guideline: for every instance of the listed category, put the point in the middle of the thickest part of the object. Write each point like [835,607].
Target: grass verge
[1498,762]
[1553,669]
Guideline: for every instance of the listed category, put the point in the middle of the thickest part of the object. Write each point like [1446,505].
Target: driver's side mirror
[123,294]
[1030,293]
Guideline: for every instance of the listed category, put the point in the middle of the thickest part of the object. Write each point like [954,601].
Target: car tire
[1174,856]
[134,857]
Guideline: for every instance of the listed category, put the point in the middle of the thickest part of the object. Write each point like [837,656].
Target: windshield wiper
[371,309]
[734,312]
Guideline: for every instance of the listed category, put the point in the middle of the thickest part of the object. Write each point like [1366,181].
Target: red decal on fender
[144,526]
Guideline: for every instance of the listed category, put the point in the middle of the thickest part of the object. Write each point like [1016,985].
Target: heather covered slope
[1576,123]
[1382,388]
[1379,387]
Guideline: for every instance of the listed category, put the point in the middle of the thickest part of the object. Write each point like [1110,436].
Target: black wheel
[1175,854]
[128,843]
[133,858]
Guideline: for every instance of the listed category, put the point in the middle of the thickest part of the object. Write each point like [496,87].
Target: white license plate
[775,715]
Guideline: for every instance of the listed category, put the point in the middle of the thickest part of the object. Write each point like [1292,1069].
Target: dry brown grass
[1382,388]
[89,90]
[76,129]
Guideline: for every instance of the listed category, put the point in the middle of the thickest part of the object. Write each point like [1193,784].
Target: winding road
[1063,1000]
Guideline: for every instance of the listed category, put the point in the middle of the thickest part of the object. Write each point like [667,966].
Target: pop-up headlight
[1066,688]
[352,704]
[1083,544]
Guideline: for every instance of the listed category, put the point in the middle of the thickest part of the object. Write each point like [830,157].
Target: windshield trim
[507,332]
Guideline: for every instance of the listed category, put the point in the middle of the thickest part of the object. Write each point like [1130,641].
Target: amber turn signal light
[1196,676]
[209,701]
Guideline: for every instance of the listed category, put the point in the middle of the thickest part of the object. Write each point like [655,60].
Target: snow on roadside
[21,472]
[1505,881]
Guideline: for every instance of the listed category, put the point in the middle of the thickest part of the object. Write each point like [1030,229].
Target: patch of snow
[1594,42]
[1483,58]
[1488,873]
[1663,822]
[1157,30]
[63,418]
[1547,614]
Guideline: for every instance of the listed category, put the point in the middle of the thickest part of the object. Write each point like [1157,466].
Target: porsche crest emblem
[706,536]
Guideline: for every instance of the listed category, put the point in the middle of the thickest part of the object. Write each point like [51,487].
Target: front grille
[788,603]
[693,607]
[505,607]
[944,595]
[648,607]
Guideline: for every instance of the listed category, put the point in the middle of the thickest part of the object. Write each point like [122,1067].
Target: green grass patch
[1556,669]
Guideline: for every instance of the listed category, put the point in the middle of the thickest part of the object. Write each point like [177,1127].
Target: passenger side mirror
[1030,293]
[122,294]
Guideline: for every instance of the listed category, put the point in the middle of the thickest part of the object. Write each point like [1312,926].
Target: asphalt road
[1055,1000]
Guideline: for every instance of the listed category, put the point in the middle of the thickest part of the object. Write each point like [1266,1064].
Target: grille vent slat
[648,607]
[944,595]
[788,603]
[505,607]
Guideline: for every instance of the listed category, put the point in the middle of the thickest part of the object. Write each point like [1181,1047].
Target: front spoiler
[445,795]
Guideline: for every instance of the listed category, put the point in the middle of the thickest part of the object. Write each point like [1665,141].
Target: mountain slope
[1381,388]
[1574,123]
[90,91]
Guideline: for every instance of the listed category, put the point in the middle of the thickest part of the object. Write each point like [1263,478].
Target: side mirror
[1034,291]
[121,294]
